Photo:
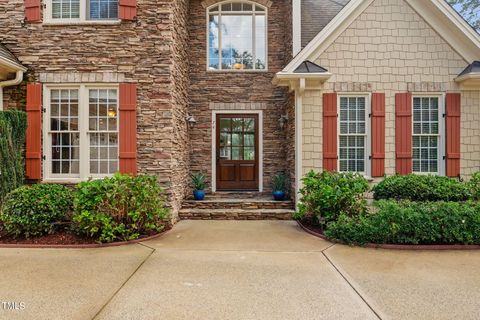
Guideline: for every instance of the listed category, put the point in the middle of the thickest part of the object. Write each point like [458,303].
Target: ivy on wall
[13,125]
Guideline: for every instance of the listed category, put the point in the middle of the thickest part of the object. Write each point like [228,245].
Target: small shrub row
[34,210]
[118,208]
[423,188]
[327,195]
[408,222]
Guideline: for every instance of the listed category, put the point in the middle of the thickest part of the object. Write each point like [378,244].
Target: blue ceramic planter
[279,195]
[199,195]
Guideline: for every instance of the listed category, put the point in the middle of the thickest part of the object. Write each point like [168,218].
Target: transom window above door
[81,10]
[237,37]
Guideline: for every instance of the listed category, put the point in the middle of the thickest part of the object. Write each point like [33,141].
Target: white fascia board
[13,66]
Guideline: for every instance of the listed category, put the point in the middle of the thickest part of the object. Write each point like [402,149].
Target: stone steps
[236,214]
[237,204]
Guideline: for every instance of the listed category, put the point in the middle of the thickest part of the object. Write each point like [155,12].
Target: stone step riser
[250,215]
[237,205]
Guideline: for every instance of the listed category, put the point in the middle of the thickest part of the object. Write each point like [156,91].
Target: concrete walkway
[239,270]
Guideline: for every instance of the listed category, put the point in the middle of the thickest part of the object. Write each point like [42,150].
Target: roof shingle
[316,14]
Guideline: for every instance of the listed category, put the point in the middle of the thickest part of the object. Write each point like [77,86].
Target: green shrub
[411,223]
[33,210]
[326,195]
[119,208]
[474,186]
[421,188]
[13,125]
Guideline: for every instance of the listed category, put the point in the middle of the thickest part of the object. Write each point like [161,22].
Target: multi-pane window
[81,10]
[65,9]
[237,37]
[81,139]
[426,134]
[352,134]
[237,138]
[64,131]
[103,131]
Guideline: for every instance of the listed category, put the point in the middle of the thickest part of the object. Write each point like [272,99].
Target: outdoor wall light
[282,122]
[191,121]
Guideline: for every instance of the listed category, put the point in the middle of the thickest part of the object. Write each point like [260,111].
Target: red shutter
[128,9]
[33,152]
[403,133]
[330,131]
[378,134]
[32,10]
[452,107]
[128,128]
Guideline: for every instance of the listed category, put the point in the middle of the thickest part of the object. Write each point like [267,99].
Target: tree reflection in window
[237,34]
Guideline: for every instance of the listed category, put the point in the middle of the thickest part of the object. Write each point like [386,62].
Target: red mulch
[61,237]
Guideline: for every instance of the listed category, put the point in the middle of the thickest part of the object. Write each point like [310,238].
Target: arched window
[237,36]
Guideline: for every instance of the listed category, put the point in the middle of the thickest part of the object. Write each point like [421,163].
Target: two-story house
[241,90]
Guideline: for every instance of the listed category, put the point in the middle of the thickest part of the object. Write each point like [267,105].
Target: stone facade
[152,53]
[214,90]
[391,51]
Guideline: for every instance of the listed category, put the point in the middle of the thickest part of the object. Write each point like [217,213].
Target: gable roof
[9,59]
[316,14]
[310,67]
[474,67]
[437,13]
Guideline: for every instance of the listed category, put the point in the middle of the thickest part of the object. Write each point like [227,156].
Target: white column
[298,142]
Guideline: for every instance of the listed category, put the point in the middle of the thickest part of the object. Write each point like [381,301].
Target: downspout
[7,83]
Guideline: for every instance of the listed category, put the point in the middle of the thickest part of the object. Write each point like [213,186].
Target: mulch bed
[316,231]
[68,239]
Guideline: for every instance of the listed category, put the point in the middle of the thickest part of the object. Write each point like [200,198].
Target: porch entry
[237,152]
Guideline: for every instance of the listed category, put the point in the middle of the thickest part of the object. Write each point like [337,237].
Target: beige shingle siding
[316,14]
[391,49]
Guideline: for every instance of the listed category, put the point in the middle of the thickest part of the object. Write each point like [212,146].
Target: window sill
[72,180]
[238,71]
[83,23]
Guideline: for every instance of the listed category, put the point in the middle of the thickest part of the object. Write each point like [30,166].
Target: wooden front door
[237,151]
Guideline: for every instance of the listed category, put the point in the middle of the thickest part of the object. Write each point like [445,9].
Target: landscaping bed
[115,210]
[408,211]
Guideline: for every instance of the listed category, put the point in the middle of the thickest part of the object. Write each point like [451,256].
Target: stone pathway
[239,270]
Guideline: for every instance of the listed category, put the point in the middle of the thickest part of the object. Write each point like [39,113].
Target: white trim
[438,14]
[368,129]
[11,65]
[298,145]
[441,130]
[296,26]
[219,4]
[83,129]
[214,144]
[49,20]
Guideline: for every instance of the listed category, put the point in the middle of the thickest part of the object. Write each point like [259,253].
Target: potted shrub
[279,183]
[199,183]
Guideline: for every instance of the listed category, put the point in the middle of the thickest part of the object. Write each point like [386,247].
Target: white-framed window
[80,131]
[354,133]
[237,36]
[75,11]
[428,134]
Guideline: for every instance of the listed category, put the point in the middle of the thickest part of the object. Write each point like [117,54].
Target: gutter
[7,83]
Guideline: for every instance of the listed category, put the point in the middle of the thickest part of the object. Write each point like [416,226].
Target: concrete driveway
[238,270]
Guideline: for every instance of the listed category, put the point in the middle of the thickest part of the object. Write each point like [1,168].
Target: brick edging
[400,246]
[80,246]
